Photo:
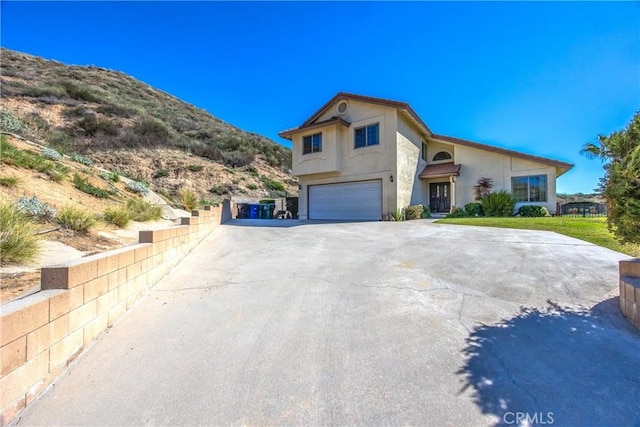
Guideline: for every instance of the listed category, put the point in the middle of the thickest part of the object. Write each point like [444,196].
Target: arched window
[442,155]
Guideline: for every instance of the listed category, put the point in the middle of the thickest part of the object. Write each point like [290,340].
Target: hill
[131,128]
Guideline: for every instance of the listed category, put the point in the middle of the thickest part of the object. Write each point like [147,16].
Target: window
[367,135]
[442,155]
[424,151]
[529,188]
[312,143]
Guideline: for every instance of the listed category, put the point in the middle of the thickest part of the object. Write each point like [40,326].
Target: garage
[360,200]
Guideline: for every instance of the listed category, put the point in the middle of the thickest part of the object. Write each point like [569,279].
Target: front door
[439,193]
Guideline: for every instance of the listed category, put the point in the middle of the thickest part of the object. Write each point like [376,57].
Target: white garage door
[349,201]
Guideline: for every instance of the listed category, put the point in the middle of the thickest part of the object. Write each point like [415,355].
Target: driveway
[278,322]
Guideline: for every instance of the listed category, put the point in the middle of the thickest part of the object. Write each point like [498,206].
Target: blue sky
[539,77]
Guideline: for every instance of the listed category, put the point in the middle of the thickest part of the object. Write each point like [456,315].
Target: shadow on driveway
[557,365]
[282,223]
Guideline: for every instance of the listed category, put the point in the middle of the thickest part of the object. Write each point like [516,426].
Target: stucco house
[360,158]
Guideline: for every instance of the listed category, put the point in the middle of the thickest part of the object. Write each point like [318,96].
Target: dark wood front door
[440,195]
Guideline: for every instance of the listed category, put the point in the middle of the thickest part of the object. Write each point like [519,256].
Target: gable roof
[422,126]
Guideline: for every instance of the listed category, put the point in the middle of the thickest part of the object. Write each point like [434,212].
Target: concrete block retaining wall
[630,290]
[42,333]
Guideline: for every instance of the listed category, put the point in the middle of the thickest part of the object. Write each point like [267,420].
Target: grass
[76,219]
[142,210]
[18,240]
[593,230]
[118,216]
[9,181]
[188,200]
[23,158]
[83,185]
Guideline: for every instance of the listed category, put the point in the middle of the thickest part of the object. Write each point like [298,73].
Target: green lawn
[593,230]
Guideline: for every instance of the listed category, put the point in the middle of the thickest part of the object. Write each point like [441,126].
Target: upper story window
[529,188]
[442,155]
[367,135]
[424,151]
[312,143]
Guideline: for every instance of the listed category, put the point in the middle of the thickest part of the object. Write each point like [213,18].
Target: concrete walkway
[274,322]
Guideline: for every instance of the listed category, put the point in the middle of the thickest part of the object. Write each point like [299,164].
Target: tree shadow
[556,365]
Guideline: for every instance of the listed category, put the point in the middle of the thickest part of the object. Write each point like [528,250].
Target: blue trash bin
[253,211]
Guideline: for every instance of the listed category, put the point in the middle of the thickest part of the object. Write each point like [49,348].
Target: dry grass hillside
[127,126]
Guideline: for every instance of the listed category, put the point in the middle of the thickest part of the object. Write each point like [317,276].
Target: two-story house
[361,158]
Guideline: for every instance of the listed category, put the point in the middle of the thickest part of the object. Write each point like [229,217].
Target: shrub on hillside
[188,200]
[533,211]
[142,211]
[119,216]
[35,208]
[79,158]
[85,186]
[9,122]
[9,181]
[94,124]
[75,219]
[18,240]
[474,209]
[413,212]
[501,203]
[195,168]
[138,187]
[50,153]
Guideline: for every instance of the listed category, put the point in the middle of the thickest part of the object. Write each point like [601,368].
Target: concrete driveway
[414,323]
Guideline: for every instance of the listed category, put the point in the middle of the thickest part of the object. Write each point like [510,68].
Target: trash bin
[266,210]
[253,211]
[243,210]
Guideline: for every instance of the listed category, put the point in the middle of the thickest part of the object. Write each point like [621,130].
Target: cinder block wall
[630,290]
[42,333]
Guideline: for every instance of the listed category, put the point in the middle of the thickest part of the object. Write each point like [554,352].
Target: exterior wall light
[391,178]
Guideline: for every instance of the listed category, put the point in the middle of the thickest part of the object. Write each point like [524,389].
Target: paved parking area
[281,322]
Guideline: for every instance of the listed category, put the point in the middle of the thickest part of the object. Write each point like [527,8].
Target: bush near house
[533,211]
[413,212]
[426,211]
[501,203]
[474,209]
[142,211]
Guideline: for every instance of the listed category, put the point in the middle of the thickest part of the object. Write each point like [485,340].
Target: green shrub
[118,216]
[94,124]
[110,176]
[457,213]
[398,215]
[50,153]
[36,209]
[9,181]
[79,158]
[222,189]
[58,173]
[251,187]
[272,185]
[138,187]
[23,158]
[80,92]
[195,168]
[151,132]
[188,200]
[142,211]
[76,219]
[9,122]
[18,240]
[210,202]
[501,203]
[474,209]
[533,211]
[161,173]
[413,212]
[426,212]
[85,186]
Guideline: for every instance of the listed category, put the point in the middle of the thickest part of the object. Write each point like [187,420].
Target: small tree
[482,188]
[620,185]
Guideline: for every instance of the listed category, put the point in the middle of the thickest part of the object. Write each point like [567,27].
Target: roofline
[308,124]
[552,162]
[287,134]
[371,100]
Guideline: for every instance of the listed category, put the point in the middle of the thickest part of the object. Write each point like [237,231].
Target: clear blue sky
[540,77]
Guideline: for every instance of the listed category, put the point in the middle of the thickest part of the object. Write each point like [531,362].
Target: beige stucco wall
[411,190]
[375,162]
[500,168]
